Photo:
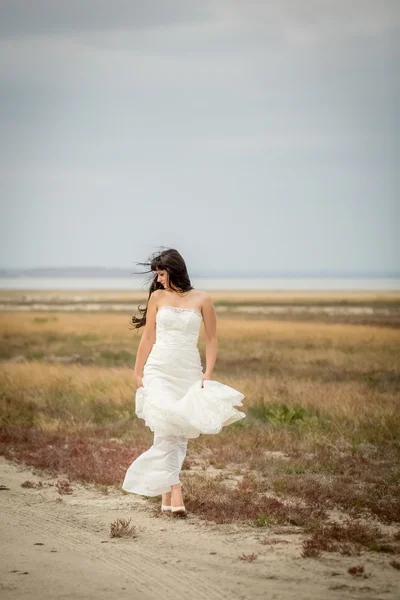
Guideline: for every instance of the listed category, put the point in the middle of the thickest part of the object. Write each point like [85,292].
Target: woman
[174,397]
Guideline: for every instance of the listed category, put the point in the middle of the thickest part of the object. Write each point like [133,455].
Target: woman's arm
[147,340]
[210,327]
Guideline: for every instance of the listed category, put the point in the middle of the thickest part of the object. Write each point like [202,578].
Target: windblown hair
[171,261]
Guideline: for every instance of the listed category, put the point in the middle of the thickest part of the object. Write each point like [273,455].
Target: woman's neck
[170,291]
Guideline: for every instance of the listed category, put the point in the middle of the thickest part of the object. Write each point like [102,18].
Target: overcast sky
[247,134]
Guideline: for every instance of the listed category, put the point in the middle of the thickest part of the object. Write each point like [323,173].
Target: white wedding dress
[173,403]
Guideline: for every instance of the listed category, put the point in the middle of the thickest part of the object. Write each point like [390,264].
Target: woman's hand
[139,380]
[205,376]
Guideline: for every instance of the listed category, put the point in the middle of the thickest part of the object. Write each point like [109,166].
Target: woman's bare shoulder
[203,294]
[204,298]
[159,292]
[157,297]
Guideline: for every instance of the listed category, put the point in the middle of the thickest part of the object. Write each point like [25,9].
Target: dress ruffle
[202,410]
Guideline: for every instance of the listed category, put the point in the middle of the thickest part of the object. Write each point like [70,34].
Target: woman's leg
[175,451]
[176,489]
[166,499]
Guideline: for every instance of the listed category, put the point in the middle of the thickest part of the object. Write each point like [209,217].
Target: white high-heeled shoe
[165,508]
[178,511]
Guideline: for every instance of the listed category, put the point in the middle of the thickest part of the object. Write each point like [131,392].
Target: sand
[59,546]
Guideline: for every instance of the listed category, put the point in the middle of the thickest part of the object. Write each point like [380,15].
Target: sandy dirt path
[59,547]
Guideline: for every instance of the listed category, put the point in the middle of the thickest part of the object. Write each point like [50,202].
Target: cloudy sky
[259,135]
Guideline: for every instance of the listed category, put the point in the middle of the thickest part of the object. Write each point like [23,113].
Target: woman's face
[162,277]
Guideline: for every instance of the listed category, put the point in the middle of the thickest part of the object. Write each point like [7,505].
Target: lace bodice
[177,326]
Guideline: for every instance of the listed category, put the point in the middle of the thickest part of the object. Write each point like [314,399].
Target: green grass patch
[286,415]
[47,319]
[264,521]
[117,357]
[16,410]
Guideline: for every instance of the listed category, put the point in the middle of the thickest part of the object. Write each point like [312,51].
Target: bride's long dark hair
[171,261]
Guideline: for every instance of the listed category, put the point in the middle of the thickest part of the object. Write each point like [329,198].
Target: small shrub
[311,548]
[31,484]
[357,571]
[122,528]
[64,486]
[267,542]
[248,557]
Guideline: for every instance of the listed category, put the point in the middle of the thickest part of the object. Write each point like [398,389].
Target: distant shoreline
[220,284]
[122,273]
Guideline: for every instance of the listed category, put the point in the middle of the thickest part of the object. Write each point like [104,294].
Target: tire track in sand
[151,577]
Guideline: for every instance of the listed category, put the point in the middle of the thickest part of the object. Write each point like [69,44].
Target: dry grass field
[319,449]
